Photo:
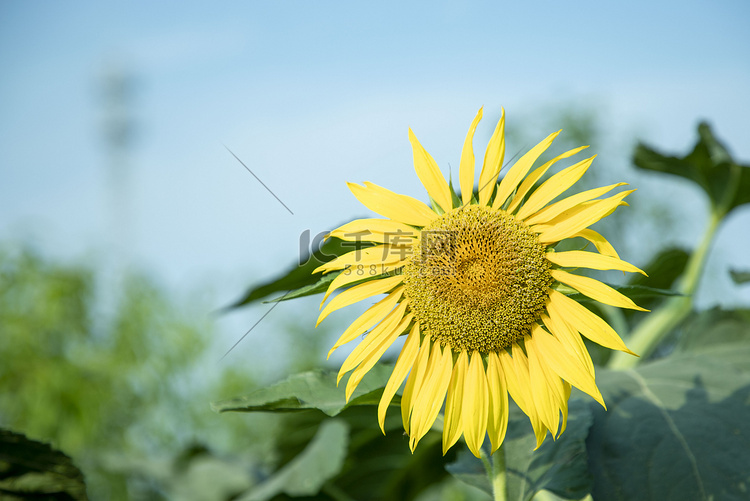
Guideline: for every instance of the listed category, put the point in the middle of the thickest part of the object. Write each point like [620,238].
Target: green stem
[495,468]
[649,333]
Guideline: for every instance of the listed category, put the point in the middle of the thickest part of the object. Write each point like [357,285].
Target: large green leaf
[713,328]
[675,429]
[710,165]
[470,470]
[33,470]
[559,466]
[301,276]
[310,390]
[306,474]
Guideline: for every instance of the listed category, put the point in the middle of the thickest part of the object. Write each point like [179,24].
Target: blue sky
[312,94]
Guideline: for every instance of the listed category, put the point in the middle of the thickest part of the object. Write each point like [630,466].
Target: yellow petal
[554,186]
[551,212]
[564,408]
[475,405]
[601,243]
[568,226]
[519,365]
[584,321]
[414,382]
[564,216]
[384,231]
[405,361]
[431,395]
[358,293]
[493,161]
[466,169]
[392,205]
[369,318]
[569,338]
[515,385]
[372,339]
[542,387]
[497,421]
[557,388]
[452,426]
[582,259]
[595,290]
[520,169]
[555,385]
[532,178]
[555,356]
[430,175]
[387,338]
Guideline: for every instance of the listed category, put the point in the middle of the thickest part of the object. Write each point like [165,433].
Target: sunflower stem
[649,333]
[495,467]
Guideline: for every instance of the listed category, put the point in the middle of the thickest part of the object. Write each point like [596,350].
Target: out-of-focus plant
[118,391]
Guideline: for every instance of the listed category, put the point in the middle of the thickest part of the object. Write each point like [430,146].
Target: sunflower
[475,284]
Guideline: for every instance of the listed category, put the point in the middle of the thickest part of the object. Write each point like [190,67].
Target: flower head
[475,285]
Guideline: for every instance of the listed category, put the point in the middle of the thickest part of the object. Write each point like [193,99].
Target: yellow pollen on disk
[478,279]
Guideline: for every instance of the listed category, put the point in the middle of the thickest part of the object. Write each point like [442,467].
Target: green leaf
[635,292]
[740,276]
[300,276]
[322,285]
[675,429]
[709,165]
[469,469]
[306,474]
[713,328]
[308,290]
[382,466]
[663,269]
[33,470]
[378,466]
[639,292]
[194,474]
[310,390]
[559,466]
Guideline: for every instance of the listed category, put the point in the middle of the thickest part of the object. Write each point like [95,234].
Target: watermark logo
[309,247]
[394,245]
[435,245]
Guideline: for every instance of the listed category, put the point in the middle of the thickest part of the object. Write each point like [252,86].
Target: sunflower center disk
[478,279]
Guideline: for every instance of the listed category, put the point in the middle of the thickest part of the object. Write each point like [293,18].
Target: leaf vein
[672,426]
